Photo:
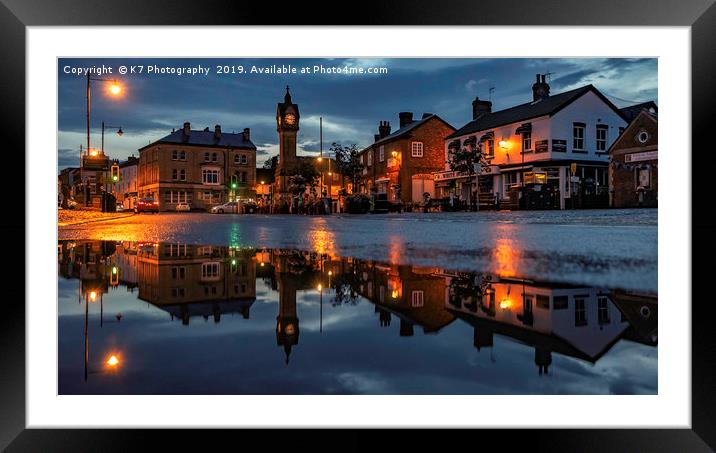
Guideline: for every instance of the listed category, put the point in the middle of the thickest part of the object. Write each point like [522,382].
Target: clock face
[290,119]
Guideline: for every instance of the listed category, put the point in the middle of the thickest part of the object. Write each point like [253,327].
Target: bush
[357,203]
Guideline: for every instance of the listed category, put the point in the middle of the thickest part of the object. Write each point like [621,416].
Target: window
[560,302]
[182,175]
[237,159]
[526,141]
[213,157]
[175,155]
[244,159]
[542,301]
[178,273]
[206,157]
[417,299]
[602,131]
[491,147]
[580,311]
[210,270]
[210,176]
[602,310]
[416,149]
[175,172]
[381,153]
[243,176]
[578,136]
[370,159]
[177,292]
[361,159]
[182,155]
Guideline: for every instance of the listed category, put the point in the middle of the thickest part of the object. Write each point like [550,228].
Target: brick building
[401,164]
[198,167]
[633,162]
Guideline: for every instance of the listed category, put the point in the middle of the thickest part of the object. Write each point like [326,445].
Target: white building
[126,189]
[555,146]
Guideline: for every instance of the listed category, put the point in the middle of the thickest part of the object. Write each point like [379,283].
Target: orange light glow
[320,159]
[93,296]
[93,152]
[330,273]
[505,304]
[115,89]
[504,144]
[394,294]
[262,264]
[319,287]
[112,361]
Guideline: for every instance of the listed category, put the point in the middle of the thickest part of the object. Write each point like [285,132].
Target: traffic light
[234,183]
[114,175]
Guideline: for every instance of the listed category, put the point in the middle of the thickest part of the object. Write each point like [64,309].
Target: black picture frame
[700,15]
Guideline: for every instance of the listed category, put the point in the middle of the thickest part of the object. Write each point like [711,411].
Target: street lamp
[120,132]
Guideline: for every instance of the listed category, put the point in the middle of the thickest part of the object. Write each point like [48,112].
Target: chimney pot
[405,118]
[187,128]
[540,89]
[247,134]
[383,129]
[217,131]
[480,108]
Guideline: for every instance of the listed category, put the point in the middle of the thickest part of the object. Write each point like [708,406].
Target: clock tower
[287,118]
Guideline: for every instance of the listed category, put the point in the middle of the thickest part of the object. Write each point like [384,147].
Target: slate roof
[523,112]
[633,111]
[206,138]
[405,129]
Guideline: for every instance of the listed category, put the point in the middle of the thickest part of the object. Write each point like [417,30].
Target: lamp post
[120,132]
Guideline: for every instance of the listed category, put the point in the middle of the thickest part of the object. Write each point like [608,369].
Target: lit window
[381,154]
[416,149]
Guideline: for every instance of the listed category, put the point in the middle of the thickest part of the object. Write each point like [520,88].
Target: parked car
[147,204]
[231,206]
[183,207]
[249,207]
[120,207]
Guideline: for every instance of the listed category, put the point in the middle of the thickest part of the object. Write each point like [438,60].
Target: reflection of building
[199,167]
[634,159]
[401,164]
[555,144]
[415,295]
[577,322]
[183,278]
[641,311]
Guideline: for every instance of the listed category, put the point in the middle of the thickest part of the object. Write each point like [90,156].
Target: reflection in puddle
[183,318]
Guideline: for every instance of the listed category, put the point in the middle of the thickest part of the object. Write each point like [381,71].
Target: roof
[406,129]
[131,160]
[206,138]
[523,112]
[633,111]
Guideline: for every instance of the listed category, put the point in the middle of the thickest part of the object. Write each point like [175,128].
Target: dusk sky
[351,105]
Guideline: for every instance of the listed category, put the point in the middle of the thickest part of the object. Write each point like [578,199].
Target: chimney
[217,132]
[187,128]
[376,137]
[384,129]
[540,89]
[480,108]
[246,134]
[405,118]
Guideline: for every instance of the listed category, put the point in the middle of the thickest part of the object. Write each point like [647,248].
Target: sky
[351,105]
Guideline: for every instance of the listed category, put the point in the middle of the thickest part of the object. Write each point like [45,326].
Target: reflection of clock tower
[287,117]
[287,320]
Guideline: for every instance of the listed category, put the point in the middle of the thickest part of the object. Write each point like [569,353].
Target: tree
[348,162]
[464,159]
[271,163]
[302,176]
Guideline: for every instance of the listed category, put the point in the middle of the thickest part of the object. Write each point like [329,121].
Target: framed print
[436,217]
